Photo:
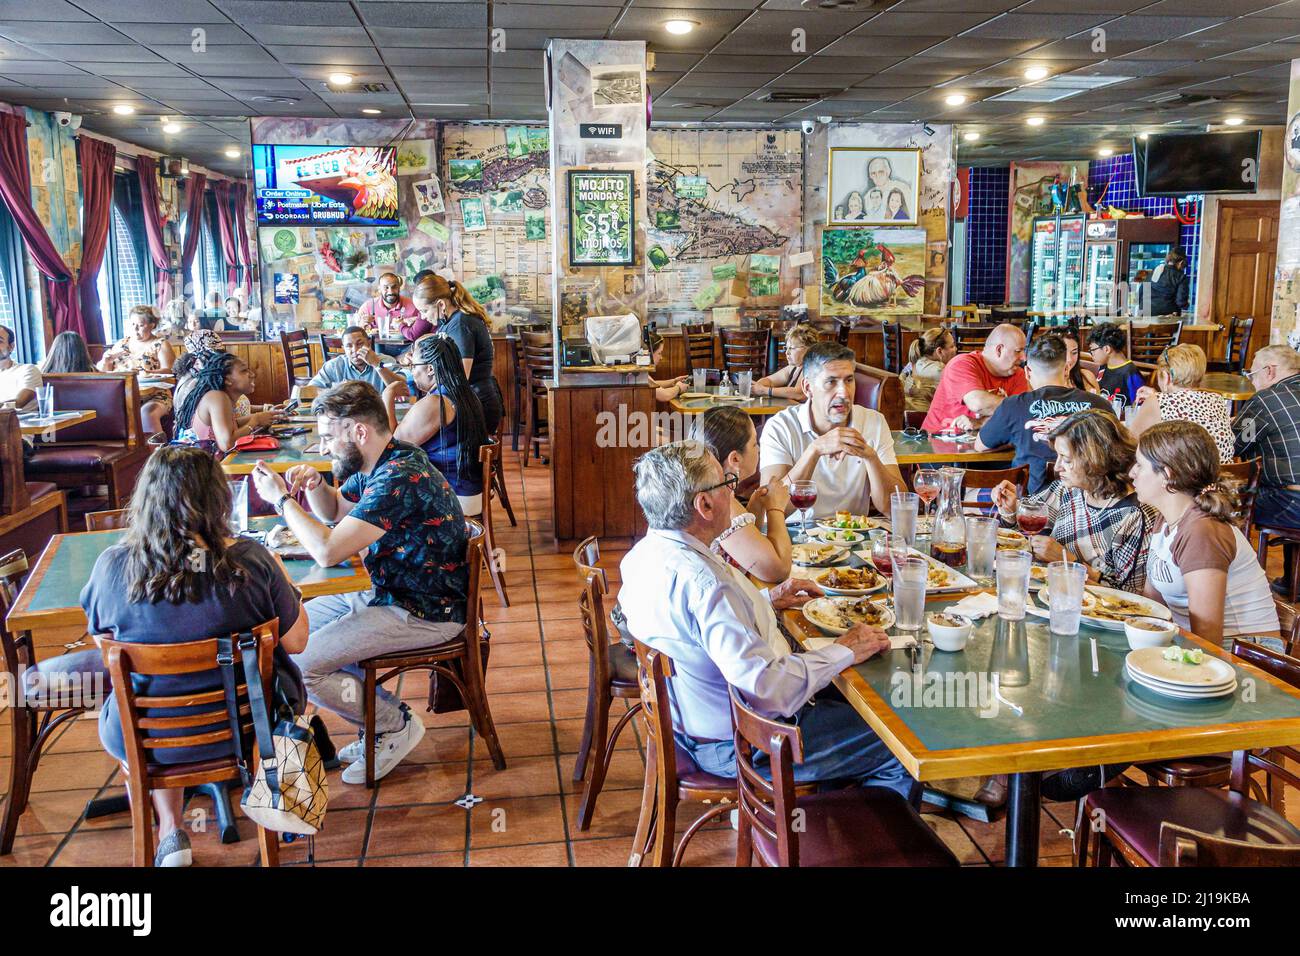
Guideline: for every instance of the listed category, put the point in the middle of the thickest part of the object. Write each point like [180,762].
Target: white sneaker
[350,753]
[391,748]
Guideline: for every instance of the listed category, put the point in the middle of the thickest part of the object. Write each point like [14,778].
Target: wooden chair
[859,826]
[971,338]
[1289,538]
[697,328]
[991,478]
[913,418]
[499,472]
[330,346]
[891,336]
[745,350]
[611,675]
[519,383]
[777,329]
[539,367]
[1236,347]
[1172,826]
[125,663]
[698,346]
[459,660]
[670,775]
[1288,616]
[843,327]
[31,512]
[1246,476]
[487,455]
[298,369]
[106,520]
[32,717]
[1146,343]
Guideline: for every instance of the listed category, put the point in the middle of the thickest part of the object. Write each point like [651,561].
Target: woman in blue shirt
[447,420]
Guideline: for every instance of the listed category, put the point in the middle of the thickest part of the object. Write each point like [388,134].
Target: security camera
[64,119]
[808,126]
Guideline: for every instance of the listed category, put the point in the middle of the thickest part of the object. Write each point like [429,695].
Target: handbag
[444,696]
[288,793]
[256,443]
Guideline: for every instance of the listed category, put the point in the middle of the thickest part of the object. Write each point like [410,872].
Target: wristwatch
[279,505]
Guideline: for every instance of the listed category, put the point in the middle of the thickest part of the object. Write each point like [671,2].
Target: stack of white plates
[1209,679]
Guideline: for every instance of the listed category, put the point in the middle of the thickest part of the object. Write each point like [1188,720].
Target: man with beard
[393,504]
[390,313]
[846,448]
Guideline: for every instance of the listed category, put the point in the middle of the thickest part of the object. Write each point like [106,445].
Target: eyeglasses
[1257,371]
[912,433]
[729,480]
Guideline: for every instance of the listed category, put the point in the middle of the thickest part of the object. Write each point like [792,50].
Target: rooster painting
[374,188]
[362,177]
[871,284]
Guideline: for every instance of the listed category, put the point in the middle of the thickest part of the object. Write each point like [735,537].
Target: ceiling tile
[1036,26]
[97,53]
[288,12]
[60,10]
[425,15]
[444,39]
[54,31]
[146,11]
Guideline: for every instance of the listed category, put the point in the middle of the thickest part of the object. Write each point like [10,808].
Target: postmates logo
[76,909]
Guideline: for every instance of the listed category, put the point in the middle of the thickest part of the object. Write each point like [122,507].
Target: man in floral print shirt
[393,504]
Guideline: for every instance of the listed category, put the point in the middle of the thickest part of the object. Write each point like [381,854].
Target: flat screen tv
[325,185]
[1176,164]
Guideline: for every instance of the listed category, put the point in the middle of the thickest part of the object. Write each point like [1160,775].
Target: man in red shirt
[385,314]
[973,384]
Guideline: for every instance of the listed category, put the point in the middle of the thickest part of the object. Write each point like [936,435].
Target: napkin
[897,642]
[975,606]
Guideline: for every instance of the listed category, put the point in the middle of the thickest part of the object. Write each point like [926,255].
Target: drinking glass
[902,514]
[909,593]
[45,401]
[921,542]
[1065,581]
[1013,583]
[803,495]
[1031,516]
[697,379]
[926,485]
[981,546]
[745,383]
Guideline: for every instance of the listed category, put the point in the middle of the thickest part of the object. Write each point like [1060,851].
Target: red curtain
[146,168]
[96,159]
[221,189]
[239,193]
[16,193]
[193,224]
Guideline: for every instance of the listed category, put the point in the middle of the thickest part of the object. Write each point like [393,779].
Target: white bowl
[948,638]
[1139,637]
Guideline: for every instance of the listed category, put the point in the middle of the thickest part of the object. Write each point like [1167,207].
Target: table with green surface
[51,596]
[1049,711]
[927,449]
[755,405]
[293,450]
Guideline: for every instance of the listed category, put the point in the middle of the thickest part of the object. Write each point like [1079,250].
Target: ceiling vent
[844,4]
[796,97]
[266,98]
[373,88]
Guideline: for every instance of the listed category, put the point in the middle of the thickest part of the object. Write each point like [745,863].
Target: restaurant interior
[852,232]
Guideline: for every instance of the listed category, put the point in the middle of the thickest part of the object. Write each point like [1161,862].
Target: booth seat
[109,450]
[882,391]
[30,512]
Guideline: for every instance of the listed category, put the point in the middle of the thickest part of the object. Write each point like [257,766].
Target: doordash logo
[77,909]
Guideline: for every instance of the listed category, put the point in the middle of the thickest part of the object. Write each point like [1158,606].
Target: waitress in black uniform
[454,312]
[1170,287]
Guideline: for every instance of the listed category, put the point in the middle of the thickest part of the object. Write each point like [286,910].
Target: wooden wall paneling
[561,430]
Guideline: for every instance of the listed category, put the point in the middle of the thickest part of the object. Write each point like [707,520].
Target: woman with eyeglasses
[446,421]
[729,433]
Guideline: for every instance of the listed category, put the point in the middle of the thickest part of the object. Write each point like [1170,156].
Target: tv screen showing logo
[325,185]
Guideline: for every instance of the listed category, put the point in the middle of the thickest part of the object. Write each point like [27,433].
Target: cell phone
[290,406]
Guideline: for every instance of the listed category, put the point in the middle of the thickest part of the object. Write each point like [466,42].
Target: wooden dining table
[757,405]
[929,449]
[1049,709]
[1231,386]
[34,424]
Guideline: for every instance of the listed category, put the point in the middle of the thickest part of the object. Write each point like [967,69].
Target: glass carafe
[948,540]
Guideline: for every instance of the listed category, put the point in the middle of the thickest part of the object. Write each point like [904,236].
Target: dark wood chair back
[891,335]
[595,628]
[698,347]
[106,520]
[697,328]
[766,807]
[980,478]
[586,558]
[18,651]
[1288,616]
[144,732]
[1180,846]
[539,359]
[1245,475]
[1146,343]
[745,350]
[971,338]
[487,456]
[14,496]
[1237,348]
[1272,761]
[330,346]
[297,357]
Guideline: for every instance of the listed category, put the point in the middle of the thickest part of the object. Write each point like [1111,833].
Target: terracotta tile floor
[537,682]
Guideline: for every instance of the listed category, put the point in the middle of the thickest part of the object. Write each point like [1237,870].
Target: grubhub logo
[76,909]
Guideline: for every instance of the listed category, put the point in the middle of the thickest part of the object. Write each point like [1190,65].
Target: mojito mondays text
[603,190]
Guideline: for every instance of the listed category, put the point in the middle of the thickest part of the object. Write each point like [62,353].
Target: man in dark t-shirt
[1024,420]
[1108,346]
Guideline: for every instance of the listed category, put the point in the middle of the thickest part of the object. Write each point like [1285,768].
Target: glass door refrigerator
[1117,251]
[1042,265]
[1069,264]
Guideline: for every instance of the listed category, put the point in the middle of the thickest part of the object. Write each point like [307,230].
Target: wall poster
[601,217]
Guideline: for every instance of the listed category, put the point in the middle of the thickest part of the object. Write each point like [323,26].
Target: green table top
[756,405]
[52,595]
[292,451]
[927,448]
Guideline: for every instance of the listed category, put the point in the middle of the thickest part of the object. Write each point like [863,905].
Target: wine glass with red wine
[926,485]
[1031,516]
[803,495]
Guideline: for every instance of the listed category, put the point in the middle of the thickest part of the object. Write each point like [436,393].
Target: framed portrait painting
[874,186]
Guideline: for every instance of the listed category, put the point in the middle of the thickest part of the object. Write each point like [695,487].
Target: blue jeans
[837,745]
[1277,507]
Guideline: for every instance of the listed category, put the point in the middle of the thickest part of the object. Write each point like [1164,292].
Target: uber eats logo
[76,909]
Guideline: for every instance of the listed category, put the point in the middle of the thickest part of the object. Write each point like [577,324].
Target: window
[208,270]
[14,311]
[126,278]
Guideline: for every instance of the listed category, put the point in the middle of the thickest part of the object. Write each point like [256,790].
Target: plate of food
[694,395]
[847,521]
[1037,577]
[849,581]
[1107,607]
[1009,540]
[833,536]
[835,615]
[821,555]
[285,543]
[940,577]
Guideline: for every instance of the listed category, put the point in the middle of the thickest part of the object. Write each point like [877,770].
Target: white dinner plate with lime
[1189,668]
[836,536]
[859,523]
[1181,694]
[835,615]
[817,554]
[1106,608]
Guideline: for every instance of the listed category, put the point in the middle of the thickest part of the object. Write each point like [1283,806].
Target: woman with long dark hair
[206,411]
[68,353]
[178,575]
[452,311]
[1079,376]
[447,421]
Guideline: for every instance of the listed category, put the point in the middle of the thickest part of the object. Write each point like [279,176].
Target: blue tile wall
[986,235]
[1122,192]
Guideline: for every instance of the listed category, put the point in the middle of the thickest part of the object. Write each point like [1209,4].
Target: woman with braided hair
[206,411]
[447,421]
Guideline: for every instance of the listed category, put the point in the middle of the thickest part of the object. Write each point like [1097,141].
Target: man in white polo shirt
[847,449]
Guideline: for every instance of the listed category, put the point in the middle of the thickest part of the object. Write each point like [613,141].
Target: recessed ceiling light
[1143,135]
[123,109]
[340,79]
[680,27]
[1233,121]
[171,126]
[1105,151]
[1036,73]
[1034,120]
[955,99]
[232,153]
[970,137]
[371,111]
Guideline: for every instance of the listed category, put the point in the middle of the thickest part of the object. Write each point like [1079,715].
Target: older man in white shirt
[847,449]
[686,602]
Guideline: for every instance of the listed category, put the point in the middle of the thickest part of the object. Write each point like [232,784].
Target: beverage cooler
[1056,264]
[1117,250]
